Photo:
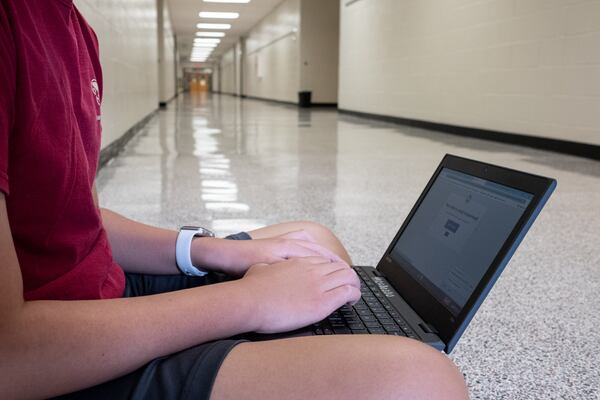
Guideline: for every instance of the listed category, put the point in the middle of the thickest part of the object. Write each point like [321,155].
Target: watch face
[200,230]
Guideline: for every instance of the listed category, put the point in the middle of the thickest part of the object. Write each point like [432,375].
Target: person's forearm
[138,247]
[146,249]
[53,347]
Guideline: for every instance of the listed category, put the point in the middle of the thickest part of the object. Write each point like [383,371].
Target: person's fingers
[340,277]
[320,250]
[338,296]
[330,267]
[293,249]
[315,260]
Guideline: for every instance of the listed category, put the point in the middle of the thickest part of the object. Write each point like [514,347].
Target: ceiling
[184,17]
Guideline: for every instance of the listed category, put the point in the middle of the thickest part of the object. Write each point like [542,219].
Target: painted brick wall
[127,31]
[522,66]
[272,66]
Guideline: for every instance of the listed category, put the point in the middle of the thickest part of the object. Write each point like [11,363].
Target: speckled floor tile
[237,165]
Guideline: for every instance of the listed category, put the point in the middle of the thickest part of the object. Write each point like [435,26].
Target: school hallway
[233,164]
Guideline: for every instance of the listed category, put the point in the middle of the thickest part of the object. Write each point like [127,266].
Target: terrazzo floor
[232,165]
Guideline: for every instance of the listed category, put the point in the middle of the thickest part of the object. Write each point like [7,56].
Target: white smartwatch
[183,248]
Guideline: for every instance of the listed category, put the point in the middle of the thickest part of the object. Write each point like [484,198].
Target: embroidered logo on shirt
[96,90]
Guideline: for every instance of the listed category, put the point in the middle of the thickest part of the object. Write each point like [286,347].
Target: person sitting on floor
[93,305]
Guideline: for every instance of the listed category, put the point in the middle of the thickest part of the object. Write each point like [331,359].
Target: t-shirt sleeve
[8,82]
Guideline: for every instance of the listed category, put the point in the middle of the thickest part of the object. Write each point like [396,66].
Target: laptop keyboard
[372,314]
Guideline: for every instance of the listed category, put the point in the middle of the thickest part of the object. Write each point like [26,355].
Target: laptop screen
[455,234]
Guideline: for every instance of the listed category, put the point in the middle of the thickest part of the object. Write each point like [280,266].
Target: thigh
[317,233]
[287,227]
[188,374]
[344,366]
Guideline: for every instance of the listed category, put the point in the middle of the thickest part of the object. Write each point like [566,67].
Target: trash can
[304,99]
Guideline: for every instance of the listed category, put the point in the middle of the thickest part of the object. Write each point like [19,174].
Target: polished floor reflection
[233,165]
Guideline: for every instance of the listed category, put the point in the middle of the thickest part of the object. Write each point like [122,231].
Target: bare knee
[315,229]
[432,375]
[406,369]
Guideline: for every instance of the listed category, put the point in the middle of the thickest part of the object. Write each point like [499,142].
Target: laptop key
[359,331]
[353,319]
[377,331]
[372,324]
[318,331]
[327,331]
[392,328]
[342,331]
[358,325]
[368,317]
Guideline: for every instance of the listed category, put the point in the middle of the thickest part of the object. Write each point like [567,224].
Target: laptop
[447,255]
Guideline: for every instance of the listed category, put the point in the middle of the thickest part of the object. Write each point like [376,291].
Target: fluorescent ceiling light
[205,45]
[213,26]
[220,15]
[207,40]
[228,1]
[210,34]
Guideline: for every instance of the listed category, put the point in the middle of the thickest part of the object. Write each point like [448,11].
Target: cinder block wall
[128,36]
[520,66]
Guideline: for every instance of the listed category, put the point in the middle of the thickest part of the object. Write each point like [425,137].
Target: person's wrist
[202,253]
[252,300]
[217,254]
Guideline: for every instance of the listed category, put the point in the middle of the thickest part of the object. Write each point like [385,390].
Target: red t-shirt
[50,94]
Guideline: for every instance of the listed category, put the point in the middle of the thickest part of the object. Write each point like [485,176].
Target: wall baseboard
[291,103]
[324,105]
[245,96]
[556,145]
[113,149]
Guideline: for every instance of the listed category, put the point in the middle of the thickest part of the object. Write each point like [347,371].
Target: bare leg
[338,367]
[320,233]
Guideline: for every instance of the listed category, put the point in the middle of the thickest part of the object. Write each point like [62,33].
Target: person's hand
[234,257]
[298,292]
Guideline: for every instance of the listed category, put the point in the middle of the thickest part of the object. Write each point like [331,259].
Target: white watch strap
[183,248]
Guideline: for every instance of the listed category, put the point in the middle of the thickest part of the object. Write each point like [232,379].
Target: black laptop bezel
[426,305]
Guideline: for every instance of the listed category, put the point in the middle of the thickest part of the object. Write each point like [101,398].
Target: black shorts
[188,374]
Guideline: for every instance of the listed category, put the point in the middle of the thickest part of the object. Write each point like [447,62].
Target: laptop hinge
[428,328]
